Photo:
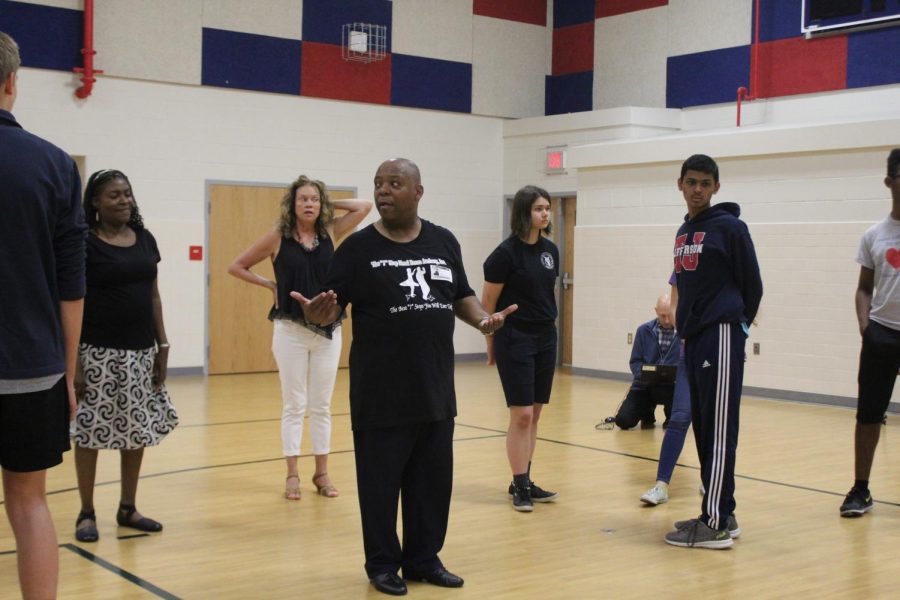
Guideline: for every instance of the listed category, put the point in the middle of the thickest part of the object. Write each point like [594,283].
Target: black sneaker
[541,495]
[521,499]
[538,494]
[857,503]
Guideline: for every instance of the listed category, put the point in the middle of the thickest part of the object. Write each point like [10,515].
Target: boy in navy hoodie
[719,291]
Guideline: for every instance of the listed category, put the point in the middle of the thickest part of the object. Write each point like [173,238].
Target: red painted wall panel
[608,8]
[573,49]
[325,74]
[800,66]
[524,11]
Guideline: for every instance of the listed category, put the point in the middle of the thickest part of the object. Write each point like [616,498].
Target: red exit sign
[195,253]
[555,160]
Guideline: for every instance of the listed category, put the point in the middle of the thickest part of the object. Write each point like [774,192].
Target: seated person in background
[655,343]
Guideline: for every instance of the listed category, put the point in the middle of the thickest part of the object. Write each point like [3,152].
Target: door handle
[567,281]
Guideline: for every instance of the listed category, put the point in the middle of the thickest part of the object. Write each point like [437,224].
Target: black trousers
[640,404]
[412,464]
[714,366]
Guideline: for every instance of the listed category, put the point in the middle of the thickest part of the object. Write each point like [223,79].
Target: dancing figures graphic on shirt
[415,278]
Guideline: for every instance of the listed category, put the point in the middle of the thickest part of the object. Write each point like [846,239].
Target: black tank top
[300,269]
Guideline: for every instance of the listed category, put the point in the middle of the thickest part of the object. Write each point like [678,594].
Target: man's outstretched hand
[322,309]
[492,323]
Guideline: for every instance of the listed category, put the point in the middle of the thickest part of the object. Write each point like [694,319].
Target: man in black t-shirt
[404,277]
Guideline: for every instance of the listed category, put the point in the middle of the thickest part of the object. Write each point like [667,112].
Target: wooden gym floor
[216,484]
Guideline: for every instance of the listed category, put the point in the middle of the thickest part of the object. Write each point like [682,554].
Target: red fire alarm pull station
[195,253]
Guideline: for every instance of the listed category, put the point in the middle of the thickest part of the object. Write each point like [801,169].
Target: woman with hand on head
[523,270]
[123,403]
[301,247]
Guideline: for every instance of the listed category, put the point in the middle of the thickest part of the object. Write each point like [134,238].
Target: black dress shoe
[389,583]
[441,577]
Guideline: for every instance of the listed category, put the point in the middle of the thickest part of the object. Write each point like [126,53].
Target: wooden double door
[238,333]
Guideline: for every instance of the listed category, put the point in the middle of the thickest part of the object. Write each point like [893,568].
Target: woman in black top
[123,403]
[523,270]
[301,247]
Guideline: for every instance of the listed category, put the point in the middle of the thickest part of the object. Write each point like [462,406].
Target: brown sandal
[292,492]
[327,490]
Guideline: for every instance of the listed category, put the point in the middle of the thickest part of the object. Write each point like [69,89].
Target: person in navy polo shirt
[654,343]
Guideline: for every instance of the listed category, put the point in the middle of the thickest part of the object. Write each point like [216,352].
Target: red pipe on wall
[88,52]
[742,92]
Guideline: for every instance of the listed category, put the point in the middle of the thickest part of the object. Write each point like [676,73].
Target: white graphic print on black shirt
[402,297]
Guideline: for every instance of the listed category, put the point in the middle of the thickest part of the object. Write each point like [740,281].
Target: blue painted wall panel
[780,19]
[48,37]
[873,57]
[431,83]
[569,93]
[572,12]
[706,77]
[251,62]
[323,19]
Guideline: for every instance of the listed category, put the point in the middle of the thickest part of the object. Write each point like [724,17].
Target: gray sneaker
[696,534]
[655,495]
[733,528]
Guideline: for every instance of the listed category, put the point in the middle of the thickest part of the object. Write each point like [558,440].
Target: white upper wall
[441,30]
[70,4]
[808,173]
[508,69]
[172,139]
[806,169]
[630,52]
[276,18]
[526,139]
[156,40]
[724,24]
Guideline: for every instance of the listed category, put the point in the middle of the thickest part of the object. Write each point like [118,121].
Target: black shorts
[879,360]
[34,429]
[526,362]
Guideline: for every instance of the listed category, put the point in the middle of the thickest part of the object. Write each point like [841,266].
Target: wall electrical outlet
[630,338]
[756,348]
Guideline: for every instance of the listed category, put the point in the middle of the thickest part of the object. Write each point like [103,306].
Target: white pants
[307,365]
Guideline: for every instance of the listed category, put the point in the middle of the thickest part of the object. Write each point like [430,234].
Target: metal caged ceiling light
[363,42]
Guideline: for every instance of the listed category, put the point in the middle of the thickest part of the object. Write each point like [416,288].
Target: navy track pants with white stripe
[714,362]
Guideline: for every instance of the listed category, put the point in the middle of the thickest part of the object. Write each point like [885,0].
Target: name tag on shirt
[441,273]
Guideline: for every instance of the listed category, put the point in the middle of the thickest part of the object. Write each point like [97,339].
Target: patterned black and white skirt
[121,410]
